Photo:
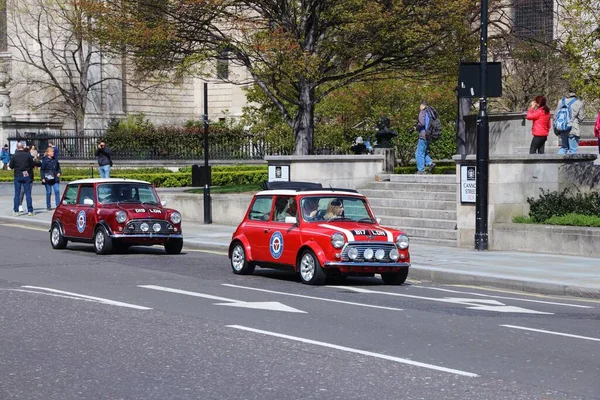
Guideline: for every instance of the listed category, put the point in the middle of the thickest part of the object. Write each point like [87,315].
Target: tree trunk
[304,121]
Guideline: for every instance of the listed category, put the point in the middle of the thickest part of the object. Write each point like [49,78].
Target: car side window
[71,194]
[261,209]
[86,192]
[285,206]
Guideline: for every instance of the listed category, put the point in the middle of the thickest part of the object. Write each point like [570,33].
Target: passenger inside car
[310,208]
[334,209]
[285,207]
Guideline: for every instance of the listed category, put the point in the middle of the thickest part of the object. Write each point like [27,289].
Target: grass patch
[522,219]
[574,220]
[252,187]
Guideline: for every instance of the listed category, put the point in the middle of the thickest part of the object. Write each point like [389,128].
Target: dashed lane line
[523,328]
[356,351]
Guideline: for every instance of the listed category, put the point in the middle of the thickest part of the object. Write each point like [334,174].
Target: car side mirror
[163,203]
[291,220]
[88,202]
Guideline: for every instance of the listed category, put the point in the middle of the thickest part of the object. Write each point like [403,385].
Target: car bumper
[145,236]
[366,266]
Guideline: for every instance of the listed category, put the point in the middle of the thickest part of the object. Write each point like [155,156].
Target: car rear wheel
[102,242]
[310,270]
[239,262]
[174,246]
[57,240]
[395,278]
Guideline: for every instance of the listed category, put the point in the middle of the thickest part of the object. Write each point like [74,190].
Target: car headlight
[368,254]
[353,253]
[175,217]
[394,254]
[144,227]
[121,216]
[338,240]
[379,254]
[402,242]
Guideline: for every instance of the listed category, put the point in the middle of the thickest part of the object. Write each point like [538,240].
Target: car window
[261,209]
[285,206]
[71,194]
[126,192]
[86,192]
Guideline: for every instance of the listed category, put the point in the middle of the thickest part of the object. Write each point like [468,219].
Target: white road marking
[259,305]
[312,298]
[26,227]
[504,297]
[49,294]
[97,299]
[551,332]
[474,304]
[357,351]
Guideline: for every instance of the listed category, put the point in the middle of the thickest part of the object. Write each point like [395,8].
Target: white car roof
[106,180]
[317,192]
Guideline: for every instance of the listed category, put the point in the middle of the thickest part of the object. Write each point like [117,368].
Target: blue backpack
[562,121]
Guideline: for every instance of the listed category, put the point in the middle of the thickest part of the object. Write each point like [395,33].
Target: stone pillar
[389,158]
[5,115]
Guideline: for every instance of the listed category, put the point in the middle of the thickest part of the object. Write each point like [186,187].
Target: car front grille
[133,227]
[362,246]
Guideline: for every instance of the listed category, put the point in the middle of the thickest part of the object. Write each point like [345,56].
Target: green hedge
[551,204]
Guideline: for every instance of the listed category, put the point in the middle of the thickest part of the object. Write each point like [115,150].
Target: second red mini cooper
[318,232]
[114,214]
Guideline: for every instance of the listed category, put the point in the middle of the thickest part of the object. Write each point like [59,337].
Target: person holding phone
[539,113]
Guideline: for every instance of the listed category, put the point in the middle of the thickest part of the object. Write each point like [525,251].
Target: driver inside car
[335,209]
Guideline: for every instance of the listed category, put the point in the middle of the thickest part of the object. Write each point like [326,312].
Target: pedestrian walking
[4,157]
[539,113]
[104,160]
[50,172]
[34,152]
[422,153]
[567,118]
[597,130]
[22,164]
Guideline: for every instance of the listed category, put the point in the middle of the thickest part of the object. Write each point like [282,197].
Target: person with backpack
[539,113]
[429,128]
[567,118]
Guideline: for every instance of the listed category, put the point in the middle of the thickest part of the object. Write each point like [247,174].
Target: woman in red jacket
[597,130]
[539,113]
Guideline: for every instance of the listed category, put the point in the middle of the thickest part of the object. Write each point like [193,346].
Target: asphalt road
[146,325]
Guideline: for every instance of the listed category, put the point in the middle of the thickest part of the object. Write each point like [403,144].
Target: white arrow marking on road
[259,305]
[475,304]
[97,299]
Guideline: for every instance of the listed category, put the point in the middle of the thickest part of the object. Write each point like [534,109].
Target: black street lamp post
[207,200]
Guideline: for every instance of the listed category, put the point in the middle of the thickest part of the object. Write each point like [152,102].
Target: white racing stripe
[312,298]
[357,351]
[390,237]
[98,299]
[523,328]
[349,235]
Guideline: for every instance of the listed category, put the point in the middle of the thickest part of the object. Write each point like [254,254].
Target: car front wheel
[395,278]
[239,262]
[102,242]
[310,270]
[57,240]
[174,246]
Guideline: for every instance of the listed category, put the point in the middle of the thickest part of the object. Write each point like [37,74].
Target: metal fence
[74,146]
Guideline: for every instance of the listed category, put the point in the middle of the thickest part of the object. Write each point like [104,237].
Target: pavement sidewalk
[528,272]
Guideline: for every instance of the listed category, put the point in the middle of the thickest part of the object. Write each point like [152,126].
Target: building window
[533,19]
[223,65]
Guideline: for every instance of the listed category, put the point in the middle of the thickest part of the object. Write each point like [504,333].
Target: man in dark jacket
[104,162]
[22,164]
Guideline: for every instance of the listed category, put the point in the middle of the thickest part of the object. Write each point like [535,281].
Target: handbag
[49,177]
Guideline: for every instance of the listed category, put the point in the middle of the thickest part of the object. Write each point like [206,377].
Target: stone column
[389,158]
[5,115]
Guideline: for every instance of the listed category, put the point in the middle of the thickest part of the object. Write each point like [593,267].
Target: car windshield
[335,208]
[126,193]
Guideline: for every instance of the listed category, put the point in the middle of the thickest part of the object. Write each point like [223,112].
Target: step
[411,195]
[439,242]
[414,178]
[408,222]
[419,233]
[415,213]
[413,203]
[414,186]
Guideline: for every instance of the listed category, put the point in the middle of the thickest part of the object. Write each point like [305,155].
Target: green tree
[297,52]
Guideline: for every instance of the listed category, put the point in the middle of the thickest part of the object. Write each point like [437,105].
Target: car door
[66,211]
[85,216]
[257,225]
[284,237]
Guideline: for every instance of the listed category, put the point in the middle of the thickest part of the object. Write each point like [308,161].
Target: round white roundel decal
[276,245]
[81,221]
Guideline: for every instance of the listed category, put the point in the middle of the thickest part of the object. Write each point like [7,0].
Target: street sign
[468,185]
[469,82]
[279,173]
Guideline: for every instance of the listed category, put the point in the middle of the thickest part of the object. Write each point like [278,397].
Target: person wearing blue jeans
[576,111]
[421,155]
[22,164]
[50,172]
[104,160]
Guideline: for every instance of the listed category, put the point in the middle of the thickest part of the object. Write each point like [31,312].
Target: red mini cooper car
[114,214]
[317,232]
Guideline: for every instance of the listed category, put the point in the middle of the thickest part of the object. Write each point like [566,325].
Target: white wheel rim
[99,240]
[238,258]
[307,267]
[55,236]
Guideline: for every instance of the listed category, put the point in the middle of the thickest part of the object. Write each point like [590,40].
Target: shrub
[551,204]
[574,220]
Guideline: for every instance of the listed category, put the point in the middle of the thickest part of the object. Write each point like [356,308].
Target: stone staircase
[423,206]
